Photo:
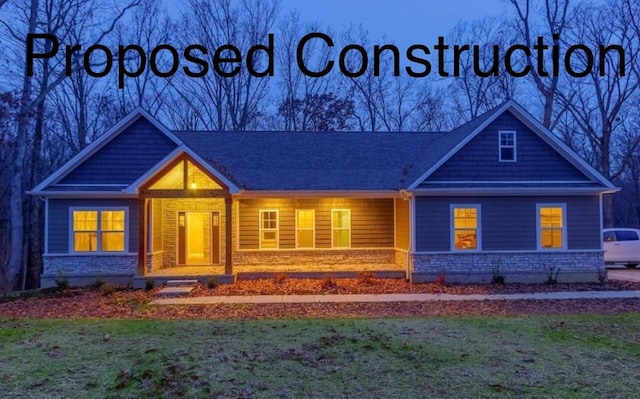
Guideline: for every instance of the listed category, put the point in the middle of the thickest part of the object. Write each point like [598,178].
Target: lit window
[507,146]
[551,227]
[268,229]
[465,227]
[98,230]
[305,228]
[341,228]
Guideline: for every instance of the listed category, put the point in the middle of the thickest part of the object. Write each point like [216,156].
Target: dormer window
[507,146]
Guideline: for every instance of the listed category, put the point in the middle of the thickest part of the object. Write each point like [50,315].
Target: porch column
[228,244]
[142,236]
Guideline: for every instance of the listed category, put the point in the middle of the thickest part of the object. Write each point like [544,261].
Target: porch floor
[219,269]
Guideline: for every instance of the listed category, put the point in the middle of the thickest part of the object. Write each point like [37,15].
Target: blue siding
[129,155]
[58,220]
[507,223]
[478,160]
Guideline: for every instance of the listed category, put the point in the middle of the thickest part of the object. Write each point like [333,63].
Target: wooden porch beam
[142,236]
[228,244]
[198,193]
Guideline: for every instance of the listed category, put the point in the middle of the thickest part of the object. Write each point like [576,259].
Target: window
[507,146]
[466,231]
[340,228]
[626,235]
[551,226]
[99,230]
[305,228]
[268,229]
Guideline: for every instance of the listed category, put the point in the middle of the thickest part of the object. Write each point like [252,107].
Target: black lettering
[377,51]
[122,70]
[457,52]
[493,70]
[218,59]
[602,52]
[508,62]
[540,47]
[87,61]
[69,50]
[204,66]
[441,47]
[555,55]
[422,61]
[300,55]
[31,55]
[364,61]
[252,54]
[588,61]
[175,61]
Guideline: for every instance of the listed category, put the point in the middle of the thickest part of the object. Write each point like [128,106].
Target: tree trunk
[15,199]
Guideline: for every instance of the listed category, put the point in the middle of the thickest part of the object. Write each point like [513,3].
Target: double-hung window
[551,223]
[465,231]
[507,146]
[98,230]
[305,228]
[341,228]
[268,229]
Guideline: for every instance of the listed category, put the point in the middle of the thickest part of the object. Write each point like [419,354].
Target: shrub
[328,283]
[552,274]
[279,278]
[498,277]
[149,284]
[107,288]
[365,278]
[99,283]
[602,274]
[212,283]
[61,280]
[441,279]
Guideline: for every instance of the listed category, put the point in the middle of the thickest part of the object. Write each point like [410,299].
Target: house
[499,194]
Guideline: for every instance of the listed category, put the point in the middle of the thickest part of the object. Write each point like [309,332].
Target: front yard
[452,357]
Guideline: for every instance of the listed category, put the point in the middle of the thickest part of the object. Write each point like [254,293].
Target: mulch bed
[134,304]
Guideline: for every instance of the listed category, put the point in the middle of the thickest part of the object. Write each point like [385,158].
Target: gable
[478,160]
[182,175]
[125,158]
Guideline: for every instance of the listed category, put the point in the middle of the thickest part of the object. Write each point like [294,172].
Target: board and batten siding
[371,221]
[59,218]
[478,160]
[507,223]
[402,224]
[125,158]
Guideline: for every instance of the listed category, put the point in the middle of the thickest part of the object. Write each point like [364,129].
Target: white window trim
[261,229]
[564,226]
[99,250]
[452,230]
[313,229]
[515,146]
[336,228]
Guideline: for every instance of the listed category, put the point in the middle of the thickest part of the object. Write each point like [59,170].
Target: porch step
[175,291]
[181,283]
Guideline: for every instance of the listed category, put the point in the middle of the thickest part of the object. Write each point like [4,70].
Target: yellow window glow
[341,228]
[551,227]
[305,228]
[465,228]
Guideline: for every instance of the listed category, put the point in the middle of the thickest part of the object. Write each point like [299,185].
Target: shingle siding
[58,220]
[479,160]
[125,158]
[507,223]
[371,221]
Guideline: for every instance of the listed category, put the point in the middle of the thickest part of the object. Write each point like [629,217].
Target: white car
[622,246]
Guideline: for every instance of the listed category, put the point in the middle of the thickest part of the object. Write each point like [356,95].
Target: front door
[198,238]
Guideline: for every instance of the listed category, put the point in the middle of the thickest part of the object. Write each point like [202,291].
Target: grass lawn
[456,357]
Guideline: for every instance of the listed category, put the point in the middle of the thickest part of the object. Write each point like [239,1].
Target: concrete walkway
[210,300]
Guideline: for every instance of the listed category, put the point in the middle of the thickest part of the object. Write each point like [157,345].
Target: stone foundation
[516,267]
[155,261]
[315,257]
[81,270]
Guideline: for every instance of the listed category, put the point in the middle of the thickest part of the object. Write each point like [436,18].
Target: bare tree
[549,19]
[601,104]
[235,102]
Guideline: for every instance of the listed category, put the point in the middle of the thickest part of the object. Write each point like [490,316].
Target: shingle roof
[325,160]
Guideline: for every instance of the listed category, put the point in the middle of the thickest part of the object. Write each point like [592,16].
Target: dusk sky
[404,22]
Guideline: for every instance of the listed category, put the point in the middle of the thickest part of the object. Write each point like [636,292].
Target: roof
[324,161]
[315,161]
